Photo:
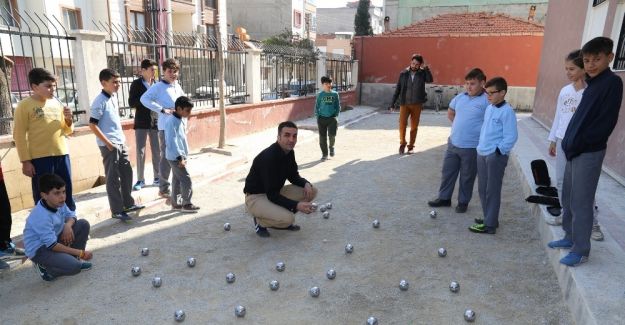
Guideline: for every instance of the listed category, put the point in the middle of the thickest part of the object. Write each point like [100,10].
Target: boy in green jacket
[327,108]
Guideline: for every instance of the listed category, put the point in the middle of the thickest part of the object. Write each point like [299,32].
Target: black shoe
[292,227]
[462,207]
[123,216]
[190,208]
[260,230]
[481,222]
[331,152]
[134,207]
[439,203]
[43,273]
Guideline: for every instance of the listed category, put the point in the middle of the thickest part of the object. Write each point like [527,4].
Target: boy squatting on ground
[177,151]
[327,109]
[497,137]
[466,112]
[40,130]
[584,145]
[54,239]
[161,98]
[105,124]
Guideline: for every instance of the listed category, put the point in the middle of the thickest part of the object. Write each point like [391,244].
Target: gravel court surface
[505,278]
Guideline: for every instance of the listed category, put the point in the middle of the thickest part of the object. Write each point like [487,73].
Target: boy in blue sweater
[54,239]
[327,109]
[497,137]
[584,144]
[177,152]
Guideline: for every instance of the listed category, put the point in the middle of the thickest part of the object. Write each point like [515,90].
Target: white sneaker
[596,234]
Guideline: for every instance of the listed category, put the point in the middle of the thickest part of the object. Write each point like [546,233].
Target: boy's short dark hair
[598,45]
[576,58]
[497,82]
[147,63]
[285,124]
[417,57]
[183,102]
[475,73]
[171,64]
[326,80]
[39,75]
[48,182]
[108,74]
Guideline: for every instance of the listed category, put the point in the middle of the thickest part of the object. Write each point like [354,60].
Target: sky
[341,3]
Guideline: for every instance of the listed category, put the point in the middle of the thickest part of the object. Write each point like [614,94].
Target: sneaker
[324,158]
[85,266]
[481,222]
[156,182]
[123,216]
[4,265]
[410,150]
[138,185]
[12,250]
[331,152]
[176,207]
[462,207]
[560,244]
[190,208]
[260,230]
[134,207]
[573,259]
[402,149]
[439,203]
[555,221]
[291,227]
[480,228]
[165,194]
[43,273]
[596,234]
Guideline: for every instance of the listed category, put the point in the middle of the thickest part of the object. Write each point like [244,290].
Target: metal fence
[339,68]
[287,72]
[197,54]
[36,40]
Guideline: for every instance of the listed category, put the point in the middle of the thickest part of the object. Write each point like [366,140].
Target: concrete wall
[203,131]
[561,37]
[515,58]
[381,94]
[332,20]
[261,18]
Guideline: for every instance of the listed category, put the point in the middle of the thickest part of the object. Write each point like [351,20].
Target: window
[137,20]
[297,19]
[7,7]
[72,18]
[619,58]
[597,2]
[210,4]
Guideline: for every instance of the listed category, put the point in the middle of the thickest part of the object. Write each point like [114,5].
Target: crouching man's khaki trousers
[269,214]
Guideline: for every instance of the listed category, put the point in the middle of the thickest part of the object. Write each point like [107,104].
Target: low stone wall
[203,131]
[380,95]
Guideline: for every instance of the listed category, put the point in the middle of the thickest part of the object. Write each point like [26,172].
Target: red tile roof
[468,25]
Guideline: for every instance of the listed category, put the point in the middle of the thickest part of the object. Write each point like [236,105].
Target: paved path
[505,278]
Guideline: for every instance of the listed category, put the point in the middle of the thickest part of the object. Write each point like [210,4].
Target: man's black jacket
[421,77]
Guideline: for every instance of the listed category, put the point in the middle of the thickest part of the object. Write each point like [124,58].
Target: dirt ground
[505,278]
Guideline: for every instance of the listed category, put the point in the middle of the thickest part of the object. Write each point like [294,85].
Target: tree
[6,107]
[222,75]
[362,22]
[287,38]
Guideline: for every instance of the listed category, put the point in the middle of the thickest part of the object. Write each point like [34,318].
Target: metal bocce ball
[326,215]
[372,321]
[331,274]
[433,214]
[349,248]
[454,286]
[191,261]
[323,208]
[179,315]
[239,311]
[314,206]
[442,252]
[157,282]
[280,266]
[230,277]
[403,285]
[227,226]
[376,223]
[136,270]
[314,292]
[329,205]
[274,285]
[469,315]
[145,251]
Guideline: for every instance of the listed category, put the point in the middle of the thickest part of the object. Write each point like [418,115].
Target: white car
[211,90]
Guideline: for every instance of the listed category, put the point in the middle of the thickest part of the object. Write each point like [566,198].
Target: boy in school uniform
[55,240]
[41,126]
[177,152]
[497,137]
[105,124]
[466,112]
[584,144]
[160,98]
[327,109]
